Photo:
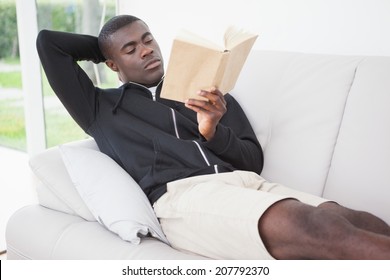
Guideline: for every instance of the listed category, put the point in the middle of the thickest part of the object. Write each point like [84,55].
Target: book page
[190,37]
[191,68]
[196,63]
[241,46]
[234,36]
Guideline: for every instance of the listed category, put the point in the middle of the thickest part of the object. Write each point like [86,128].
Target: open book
[196,63]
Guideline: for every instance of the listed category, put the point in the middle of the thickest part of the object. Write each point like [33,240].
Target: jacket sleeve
[235,140]
[59,53]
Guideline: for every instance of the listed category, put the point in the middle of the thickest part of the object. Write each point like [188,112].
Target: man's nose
[145,51]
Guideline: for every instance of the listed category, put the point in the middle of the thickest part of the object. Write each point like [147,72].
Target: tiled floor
[15,188]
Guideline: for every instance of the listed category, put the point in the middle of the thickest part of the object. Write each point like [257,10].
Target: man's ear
[111,64]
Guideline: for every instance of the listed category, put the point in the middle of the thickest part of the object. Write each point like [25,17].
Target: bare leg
[293,230]
[359,219]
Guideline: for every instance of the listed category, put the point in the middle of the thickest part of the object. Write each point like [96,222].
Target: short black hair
[109,28]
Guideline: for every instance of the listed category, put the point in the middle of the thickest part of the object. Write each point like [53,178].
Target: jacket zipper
[175,123]
[196,143]
[202,153]
[205,157]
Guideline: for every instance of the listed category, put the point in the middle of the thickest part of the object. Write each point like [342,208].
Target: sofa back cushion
[295,103]
[360,173]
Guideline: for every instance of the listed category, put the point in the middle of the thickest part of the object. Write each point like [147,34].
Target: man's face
[135,55]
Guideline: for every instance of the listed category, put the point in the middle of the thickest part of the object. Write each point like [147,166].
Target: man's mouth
[154,63]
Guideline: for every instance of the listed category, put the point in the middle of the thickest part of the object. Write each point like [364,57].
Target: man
[197,162]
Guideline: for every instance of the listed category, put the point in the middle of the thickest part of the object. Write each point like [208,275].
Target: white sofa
[324,124]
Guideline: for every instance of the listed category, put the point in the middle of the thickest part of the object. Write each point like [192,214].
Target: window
[12,127]
[62,15]
[81,17]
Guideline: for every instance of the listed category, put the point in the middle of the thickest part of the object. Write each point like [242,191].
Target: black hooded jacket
[155,140]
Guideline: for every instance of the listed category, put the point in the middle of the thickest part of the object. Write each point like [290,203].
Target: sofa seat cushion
[36,232]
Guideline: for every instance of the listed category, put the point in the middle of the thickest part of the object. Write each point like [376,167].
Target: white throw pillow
[114,198]
[55,188]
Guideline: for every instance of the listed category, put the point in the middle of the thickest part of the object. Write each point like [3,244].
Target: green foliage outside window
[61,15]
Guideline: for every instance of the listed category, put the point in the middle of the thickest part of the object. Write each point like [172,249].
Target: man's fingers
[214,96]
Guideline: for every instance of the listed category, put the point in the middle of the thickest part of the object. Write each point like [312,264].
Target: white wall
[319,26]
